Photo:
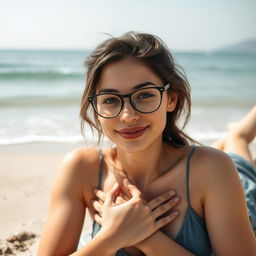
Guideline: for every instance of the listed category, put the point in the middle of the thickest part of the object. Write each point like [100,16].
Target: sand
[27,173]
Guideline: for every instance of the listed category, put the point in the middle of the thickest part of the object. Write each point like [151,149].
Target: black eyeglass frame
[129,95]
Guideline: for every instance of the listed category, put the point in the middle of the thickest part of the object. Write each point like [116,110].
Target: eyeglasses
[145,100]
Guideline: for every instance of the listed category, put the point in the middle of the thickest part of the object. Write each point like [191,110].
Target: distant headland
[245,46]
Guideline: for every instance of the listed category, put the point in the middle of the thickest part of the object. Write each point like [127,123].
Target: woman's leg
[239,136]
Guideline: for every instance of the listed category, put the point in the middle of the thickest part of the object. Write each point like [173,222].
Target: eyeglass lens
[145,100]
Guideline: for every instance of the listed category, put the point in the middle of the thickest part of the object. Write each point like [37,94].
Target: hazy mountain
[246,46]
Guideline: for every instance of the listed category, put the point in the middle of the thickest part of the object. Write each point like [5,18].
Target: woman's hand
[132,220]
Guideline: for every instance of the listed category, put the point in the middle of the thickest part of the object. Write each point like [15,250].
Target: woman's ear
[172,101]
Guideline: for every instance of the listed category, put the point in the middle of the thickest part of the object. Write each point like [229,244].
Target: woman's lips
[132,133]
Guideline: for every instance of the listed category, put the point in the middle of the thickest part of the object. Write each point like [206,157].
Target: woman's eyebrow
[137,86]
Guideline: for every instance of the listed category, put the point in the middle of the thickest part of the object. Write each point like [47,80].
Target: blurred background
[43,45]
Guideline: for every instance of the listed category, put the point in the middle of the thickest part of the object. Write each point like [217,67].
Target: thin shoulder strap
[101,158]
[187,173]
[95,224]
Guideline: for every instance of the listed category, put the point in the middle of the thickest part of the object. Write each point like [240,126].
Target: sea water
[40,93]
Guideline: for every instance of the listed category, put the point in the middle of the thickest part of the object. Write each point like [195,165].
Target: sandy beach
[27,172]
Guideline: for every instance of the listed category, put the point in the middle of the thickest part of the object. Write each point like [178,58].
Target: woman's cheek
[107,126]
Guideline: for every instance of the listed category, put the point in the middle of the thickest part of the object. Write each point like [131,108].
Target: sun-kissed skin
[153,169]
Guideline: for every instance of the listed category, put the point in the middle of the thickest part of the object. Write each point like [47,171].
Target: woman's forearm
[160,244]
[101,244]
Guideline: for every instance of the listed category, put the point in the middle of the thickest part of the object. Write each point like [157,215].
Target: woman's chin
[137,146]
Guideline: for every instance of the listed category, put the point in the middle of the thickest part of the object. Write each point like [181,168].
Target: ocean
[40,93]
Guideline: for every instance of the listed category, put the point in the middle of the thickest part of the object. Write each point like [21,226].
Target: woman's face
[131,130]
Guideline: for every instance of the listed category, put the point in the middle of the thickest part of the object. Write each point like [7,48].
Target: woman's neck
[141,167]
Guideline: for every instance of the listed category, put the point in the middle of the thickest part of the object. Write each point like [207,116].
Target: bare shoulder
[77,169]
[214,166]
[210,160]
[80,159]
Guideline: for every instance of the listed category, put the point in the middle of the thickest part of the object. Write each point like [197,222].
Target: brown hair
[151,50]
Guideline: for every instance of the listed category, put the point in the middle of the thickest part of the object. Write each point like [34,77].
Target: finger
[120,200]
[98,219]
[161,199]
[165,207]
[100,194]
[135,192]
[166,220]
[125,193]
[112,193]
[97,206]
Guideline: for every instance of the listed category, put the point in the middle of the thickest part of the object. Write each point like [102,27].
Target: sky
[79,24]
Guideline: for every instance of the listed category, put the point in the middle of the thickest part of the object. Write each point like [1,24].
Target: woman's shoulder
[213,165]
[79,165]
[81,157]
[211,157]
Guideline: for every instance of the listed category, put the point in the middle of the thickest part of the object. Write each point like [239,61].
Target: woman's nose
[128,113]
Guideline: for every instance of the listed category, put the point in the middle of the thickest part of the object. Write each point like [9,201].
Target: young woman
[157,193]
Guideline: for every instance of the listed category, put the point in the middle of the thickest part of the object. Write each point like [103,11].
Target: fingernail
[95,190]
[175,213]
[176,199]
[115,185]
[172,193]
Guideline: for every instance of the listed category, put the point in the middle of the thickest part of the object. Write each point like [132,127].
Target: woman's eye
[112,100]
[145,95]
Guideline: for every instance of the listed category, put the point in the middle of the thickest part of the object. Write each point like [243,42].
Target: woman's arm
[161,244]
[226,215]
[67,211]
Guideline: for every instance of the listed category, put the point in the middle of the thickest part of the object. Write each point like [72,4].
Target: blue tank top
[193,233]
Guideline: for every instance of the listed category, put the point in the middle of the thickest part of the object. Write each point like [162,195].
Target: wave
[39,101]
[36,138]
[47,74]
[214,103]
[210,135]
[227,69]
